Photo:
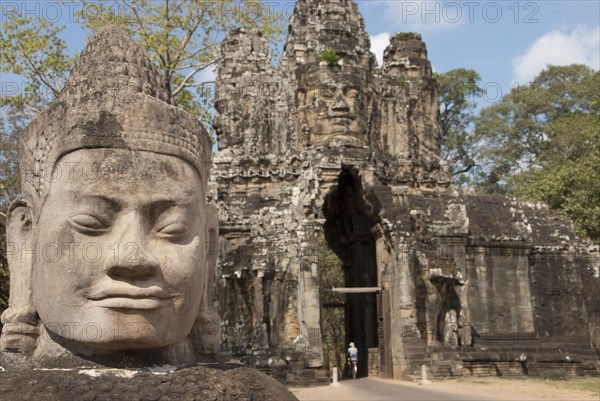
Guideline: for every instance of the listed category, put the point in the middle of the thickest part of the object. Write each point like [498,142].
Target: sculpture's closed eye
[351,93]
[88,224]
[173,229]
[327,93]
[173,224]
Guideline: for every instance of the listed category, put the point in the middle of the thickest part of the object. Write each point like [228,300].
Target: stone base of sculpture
[223,382]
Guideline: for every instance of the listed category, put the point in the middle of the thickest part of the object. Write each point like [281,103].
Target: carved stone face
[122,257]
[333,106]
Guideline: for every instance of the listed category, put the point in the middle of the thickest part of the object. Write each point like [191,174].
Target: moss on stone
[330,56]
[407,35]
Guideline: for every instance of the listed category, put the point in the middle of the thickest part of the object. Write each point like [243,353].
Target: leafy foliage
[542,142]
[407,35]
[457,91]
[330,56]
[31,49]
[182,37]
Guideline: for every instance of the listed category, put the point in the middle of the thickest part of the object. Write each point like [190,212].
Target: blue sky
[507,42]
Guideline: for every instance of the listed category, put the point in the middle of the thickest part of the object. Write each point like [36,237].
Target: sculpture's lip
[344,119]
[341,116]
[129,292]
[129,297]
[131,303]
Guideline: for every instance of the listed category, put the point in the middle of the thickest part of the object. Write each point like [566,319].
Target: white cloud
[581,46]
[378,44]
[426,16]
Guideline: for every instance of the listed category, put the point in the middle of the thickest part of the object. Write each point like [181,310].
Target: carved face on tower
[333,104]
[116,239]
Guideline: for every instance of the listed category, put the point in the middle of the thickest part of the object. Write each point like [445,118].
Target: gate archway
[351,230]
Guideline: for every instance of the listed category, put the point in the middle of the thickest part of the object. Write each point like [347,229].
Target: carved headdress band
[120,102]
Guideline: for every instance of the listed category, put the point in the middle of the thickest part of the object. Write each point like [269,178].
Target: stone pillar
[258,296]
[260,337]
[311,312]
[402,309]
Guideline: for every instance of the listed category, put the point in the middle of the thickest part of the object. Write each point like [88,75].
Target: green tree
[182,37]
[457,91]
[543,143]
[32,50]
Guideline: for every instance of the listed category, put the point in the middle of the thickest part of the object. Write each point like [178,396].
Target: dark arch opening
[350,231]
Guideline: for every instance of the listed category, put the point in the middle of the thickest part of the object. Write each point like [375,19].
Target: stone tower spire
[318,25]
[244,94]
[406,56]
[409,130]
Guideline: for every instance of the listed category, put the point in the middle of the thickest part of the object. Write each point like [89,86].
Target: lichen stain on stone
[105,132]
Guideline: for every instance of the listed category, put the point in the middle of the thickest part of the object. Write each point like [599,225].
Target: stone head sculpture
[333,103]
[113,242]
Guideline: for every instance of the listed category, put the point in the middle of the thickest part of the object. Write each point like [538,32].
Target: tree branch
[468,167]
[133,7]
[185,41]
[35,110]
[185,80]
[177,7]
[58,85]
[192,55]
[45,80]
[199,84]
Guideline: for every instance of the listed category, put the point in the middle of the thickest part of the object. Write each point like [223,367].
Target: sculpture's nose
[130,256]
[340,104]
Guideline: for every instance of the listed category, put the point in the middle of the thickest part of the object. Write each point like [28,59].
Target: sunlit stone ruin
[347,153]
[326,157]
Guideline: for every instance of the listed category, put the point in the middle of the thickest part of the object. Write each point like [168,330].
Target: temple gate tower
[331,147]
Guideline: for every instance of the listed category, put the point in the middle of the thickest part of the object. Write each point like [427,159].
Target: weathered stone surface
[210,382]
[350,150]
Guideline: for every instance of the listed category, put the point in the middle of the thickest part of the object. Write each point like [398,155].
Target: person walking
[352,354]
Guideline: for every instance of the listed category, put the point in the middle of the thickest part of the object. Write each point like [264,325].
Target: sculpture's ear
[20,329]
[20,220]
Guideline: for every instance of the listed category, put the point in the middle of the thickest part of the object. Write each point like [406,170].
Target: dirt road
[488,389]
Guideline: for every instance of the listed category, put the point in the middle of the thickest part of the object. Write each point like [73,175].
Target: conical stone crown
[115,98]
